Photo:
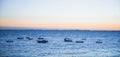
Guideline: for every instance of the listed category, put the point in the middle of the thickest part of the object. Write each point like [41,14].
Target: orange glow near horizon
[54,24]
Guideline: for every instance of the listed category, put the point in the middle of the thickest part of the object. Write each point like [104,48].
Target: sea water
[56,47]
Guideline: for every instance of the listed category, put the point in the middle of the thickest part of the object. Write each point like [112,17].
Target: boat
[99,41]
[20,37]
[83,38]
[67,40]
[79,41]
[10,41]
[29,38]
[42,40]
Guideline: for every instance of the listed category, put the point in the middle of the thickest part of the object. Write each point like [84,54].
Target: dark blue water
[56,47]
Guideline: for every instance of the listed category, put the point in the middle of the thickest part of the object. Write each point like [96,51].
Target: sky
[61,14]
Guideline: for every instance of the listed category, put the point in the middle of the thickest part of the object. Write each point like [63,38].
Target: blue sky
[57,12]
[61,8]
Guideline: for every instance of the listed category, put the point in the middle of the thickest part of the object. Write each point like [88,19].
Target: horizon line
[28,28]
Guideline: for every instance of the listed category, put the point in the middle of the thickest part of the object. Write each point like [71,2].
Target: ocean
[56,46]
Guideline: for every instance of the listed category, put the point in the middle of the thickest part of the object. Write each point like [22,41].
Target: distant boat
[67,40]
[79,41]
[29,38]
[9,41]
[20,37]
[83,38]
[99,41]
[41,40]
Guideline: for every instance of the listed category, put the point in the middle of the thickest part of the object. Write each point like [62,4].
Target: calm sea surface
[56,47]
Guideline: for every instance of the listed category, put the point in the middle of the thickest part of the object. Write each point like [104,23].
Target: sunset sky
[61,14]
